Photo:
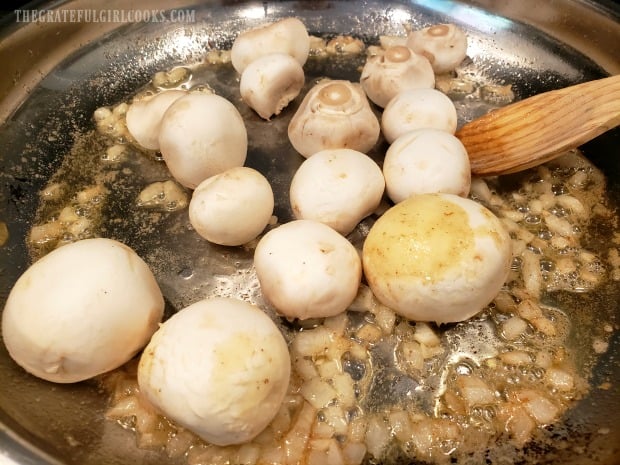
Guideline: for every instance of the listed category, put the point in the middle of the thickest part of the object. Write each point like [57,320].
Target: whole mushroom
[334,114]
[426,161]
[81,310]
[398,69]
[445,46]
[233,207]
[337,187]
[219,367]
[144,117]
[307,270]
[418,109]
[287,36]
[202,135]
[269,83]
[437,257]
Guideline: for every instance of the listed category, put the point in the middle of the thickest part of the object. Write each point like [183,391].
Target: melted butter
[423,237]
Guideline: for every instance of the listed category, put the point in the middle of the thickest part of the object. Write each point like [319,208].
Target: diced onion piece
[412,355]
[312,342]
[530,270]
[354,453]
[248,454]
[322,430]
[475,391]
[305,368]
[335,417]
[559,379]
[401,425]
[544,325]
[513,328]
[516,357]
[539,407]
[517,422]
[529,310]
[296,439]
[377,436]
[424,334]
[329,368]
[369,333]
[318,393]
[345,389]
[357,429]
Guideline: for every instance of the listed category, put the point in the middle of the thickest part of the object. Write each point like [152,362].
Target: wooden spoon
[540,128]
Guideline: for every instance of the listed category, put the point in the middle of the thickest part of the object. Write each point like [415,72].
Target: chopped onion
[539,407]
[513,328]
[377,436]
[559,379]
[318,393]
[354,453]
[475,391]
[424,334]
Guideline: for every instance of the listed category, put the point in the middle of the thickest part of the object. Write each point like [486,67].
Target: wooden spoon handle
[537,129]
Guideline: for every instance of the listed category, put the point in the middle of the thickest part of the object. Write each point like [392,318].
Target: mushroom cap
[426,161]
[219,367]
[307,270]
[334,114]
[233,207]
[202,135]
[399,68]
[418,109]
[287,36]
[437,257]
[338,187]
[81,310]
[445,45]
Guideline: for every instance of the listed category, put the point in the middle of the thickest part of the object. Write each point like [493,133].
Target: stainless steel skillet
[56,74]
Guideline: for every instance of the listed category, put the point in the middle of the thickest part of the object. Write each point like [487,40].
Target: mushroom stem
[397,54]
[439,30]
[335,95]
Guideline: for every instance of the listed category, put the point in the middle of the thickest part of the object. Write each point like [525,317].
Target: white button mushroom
[202,135]
[437,257]
[219,367]
[426,161]
[285,36]
[270,82]
[338,187]
[398,69]
[307,270]
[233,207]
[418,109]
[82,310]
[445,46]
[144,117]
[334,114]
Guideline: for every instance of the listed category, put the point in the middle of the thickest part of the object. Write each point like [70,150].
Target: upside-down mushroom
[334,114]
[445,45]
[394,71]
